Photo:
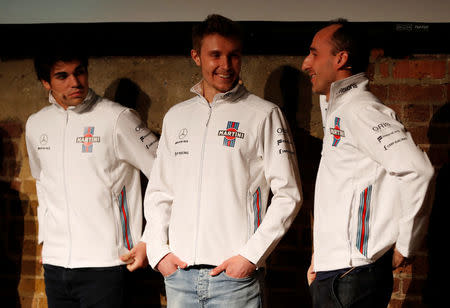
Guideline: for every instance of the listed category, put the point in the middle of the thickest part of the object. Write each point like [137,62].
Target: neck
[209,96]
[62,105]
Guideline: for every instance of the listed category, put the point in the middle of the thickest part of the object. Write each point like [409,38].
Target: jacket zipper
[69,257]
[201,181]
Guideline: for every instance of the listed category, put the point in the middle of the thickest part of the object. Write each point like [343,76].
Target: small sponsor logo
[230,134]
[281,151]
[140,127]
[181,141]
[381,126]
[148,146]
[280,141]
[183,133]
[379,138]
[43,139]
[282,131]
[181,153]
[347,88]
[142,138]
[88,140]
[337,132]
[389,145]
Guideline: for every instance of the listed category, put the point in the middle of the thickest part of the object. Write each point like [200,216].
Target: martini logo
[230,134]
[88,140]
[337,132]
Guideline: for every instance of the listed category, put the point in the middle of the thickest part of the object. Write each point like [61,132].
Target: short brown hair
[43,64]
[215,24]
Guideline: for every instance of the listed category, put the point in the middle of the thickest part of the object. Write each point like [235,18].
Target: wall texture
[417,88]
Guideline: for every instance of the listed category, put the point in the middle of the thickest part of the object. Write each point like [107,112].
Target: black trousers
[84,287]
[368,287]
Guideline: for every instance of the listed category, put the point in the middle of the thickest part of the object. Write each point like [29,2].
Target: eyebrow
[75,70]
[60,73]
[312,49]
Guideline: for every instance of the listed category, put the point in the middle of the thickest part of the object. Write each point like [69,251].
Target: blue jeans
[366,287]
[194,287]
[84,287]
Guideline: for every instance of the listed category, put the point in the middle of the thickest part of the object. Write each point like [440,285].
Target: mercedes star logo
[43,139]
[183,133]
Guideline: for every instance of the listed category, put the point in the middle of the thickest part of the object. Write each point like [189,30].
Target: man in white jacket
[371,184]
[85,153]
[209,228]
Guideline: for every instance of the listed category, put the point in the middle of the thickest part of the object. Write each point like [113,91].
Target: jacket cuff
[246,253]
[155,255]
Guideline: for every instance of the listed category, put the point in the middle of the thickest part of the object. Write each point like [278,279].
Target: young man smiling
[209,229]
[371,183]
[85,153]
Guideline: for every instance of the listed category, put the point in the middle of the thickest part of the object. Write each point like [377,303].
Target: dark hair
[351,38]
[216,24]
[44,64]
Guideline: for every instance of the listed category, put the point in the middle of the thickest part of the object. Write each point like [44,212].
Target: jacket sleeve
[35,167]
[134,142]
[281,173]
[385,140]
[158,204]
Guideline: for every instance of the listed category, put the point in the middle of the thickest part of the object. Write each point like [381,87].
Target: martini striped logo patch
[231,134]
[88,139]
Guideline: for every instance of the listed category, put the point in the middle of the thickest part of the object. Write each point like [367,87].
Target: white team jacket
[371,183]
[215,166]
[86,163]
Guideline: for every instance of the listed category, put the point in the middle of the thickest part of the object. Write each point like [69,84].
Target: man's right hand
[311,275]
[169,264]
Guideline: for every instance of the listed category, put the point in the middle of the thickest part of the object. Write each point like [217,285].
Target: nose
[226,62]
[306,65]
[74,82]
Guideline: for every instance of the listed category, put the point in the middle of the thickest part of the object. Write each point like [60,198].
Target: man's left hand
[235,267]
[136,258]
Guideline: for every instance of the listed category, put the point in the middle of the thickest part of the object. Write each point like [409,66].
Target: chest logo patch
[337,132]
[230,134]
[88,140]
[43,139]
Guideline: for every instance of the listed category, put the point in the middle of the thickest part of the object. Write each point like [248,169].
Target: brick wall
[417,88]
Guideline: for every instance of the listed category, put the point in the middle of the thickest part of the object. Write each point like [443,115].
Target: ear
[341,60]
[46,84]
[195,55]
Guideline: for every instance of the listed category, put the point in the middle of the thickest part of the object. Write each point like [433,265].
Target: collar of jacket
[90,99]
[227,97]
[345,87]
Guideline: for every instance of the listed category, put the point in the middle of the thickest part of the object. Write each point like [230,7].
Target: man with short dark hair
[85,153]
[209,229]
[371,184]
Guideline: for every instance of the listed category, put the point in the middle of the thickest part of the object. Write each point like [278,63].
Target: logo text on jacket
[230,134]
[88,139]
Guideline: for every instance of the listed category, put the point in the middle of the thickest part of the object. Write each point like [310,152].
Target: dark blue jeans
[84,287]
[368,287]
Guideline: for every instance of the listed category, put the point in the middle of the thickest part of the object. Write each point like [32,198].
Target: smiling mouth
[226,76]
